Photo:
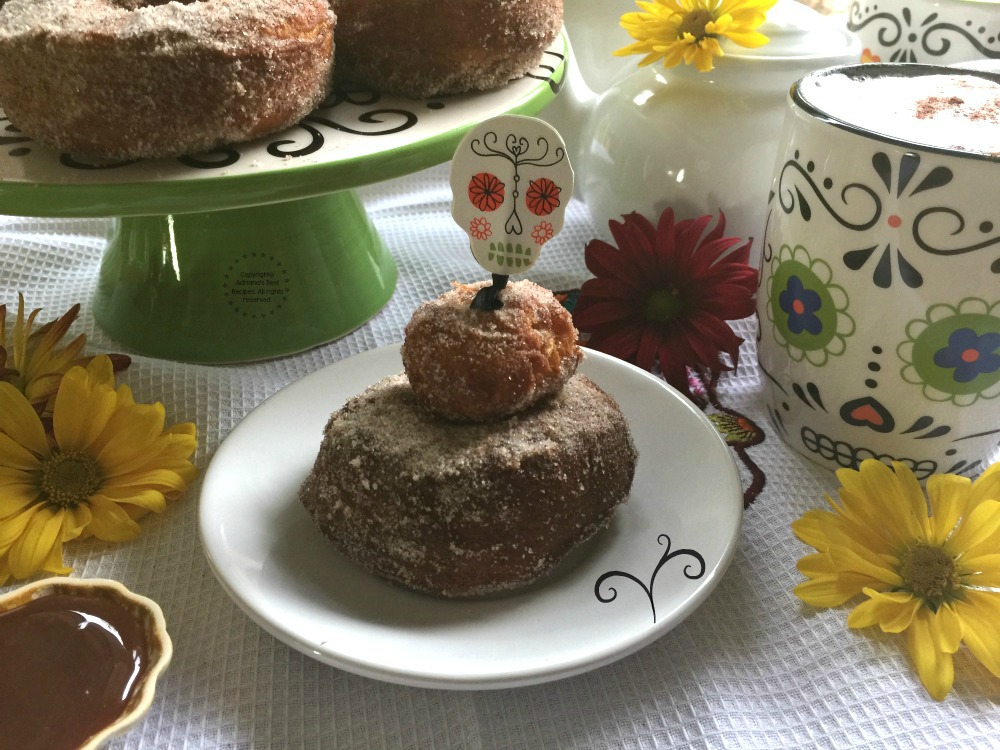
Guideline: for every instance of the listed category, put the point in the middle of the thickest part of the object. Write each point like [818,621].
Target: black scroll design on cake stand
[379,122]
[612,593]
[794,178]
[309,137]
[13,141]
[550,69]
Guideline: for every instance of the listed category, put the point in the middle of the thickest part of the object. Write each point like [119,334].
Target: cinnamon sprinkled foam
[957,111]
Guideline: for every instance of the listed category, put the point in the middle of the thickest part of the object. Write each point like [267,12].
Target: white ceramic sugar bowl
[698,142]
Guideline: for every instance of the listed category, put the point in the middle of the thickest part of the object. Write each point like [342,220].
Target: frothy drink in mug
[879,304]
[950,111]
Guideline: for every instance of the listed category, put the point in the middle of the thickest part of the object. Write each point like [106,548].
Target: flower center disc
[929,572]
[694,23]
[663,305]
[69,478]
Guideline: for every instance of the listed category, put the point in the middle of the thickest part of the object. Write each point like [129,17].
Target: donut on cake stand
[260,249]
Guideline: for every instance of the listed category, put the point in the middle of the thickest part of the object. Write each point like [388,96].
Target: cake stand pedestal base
[243,284]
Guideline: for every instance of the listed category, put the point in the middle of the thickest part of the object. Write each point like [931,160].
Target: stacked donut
[485,463]
[425,48]
[129,79]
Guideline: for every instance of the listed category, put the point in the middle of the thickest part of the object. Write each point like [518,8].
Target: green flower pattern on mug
[954,352]
[807,310]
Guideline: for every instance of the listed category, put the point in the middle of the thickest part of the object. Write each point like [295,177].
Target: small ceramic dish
[121,649]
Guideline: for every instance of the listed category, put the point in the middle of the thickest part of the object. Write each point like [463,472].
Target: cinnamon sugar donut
[424,48]
[128,79]
[466,509]
[475,365]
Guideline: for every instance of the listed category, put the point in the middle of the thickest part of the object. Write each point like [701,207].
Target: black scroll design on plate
[364,97]
[662,539]
[387,121]
[218,159]
[13,141]
[67,160]
[520,153]
[316,141]
[794,178]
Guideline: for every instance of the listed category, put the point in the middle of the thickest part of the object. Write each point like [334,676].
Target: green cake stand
[261,249]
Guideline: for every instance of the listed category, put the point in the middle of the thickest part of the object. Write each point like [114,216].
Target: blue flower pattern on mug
[808,312]
[953,353]
[801,305]
[970,354]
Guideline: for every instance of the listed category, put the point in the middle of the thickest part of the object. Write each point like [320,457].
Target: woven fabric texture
[752,668]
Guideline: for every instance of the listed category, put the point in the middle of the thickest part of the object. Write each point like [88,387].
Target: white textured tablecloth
[751,668]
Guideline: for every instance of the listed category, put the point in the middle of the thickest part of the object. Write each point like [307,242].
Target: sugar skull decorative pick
[511,181]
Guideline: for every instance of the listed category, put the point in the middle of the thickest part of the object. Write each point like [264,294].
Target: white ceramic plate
[624,589]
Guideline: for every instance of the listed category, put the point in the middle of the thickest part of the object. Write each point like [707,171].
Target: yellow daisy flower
[31,358]
[688,31]
[107,462]
[927,565]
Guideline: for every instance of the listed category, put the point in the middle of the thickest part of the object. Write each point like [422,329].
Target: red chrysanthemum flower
[486,191]
[663,296]
[543,196]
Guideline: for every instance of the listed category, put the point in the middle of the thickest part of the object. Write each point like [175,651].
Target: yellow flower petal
[847,555]
[13,455]
[75,522]
[946,628]
[15,497]
[934,667]
[82,408]
[110,522]
[830,591]
[11,528]
[830,587]
[982,570]
[129,436]
[980,613]
[980,525]
[811,528]
[986,486]
[54,562]
[901,503]
[144,498]
[20,421]
[892,611]
[949,497]
[30,551]
[169,450]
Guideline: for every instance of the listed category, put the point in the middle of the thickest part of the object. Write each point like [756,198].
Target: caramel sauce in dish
[69,665]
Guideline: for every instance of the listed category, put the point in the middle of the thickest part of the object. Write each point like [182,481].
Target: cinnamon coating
[424,48]
[460,510]
[130,79]
[472,365]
